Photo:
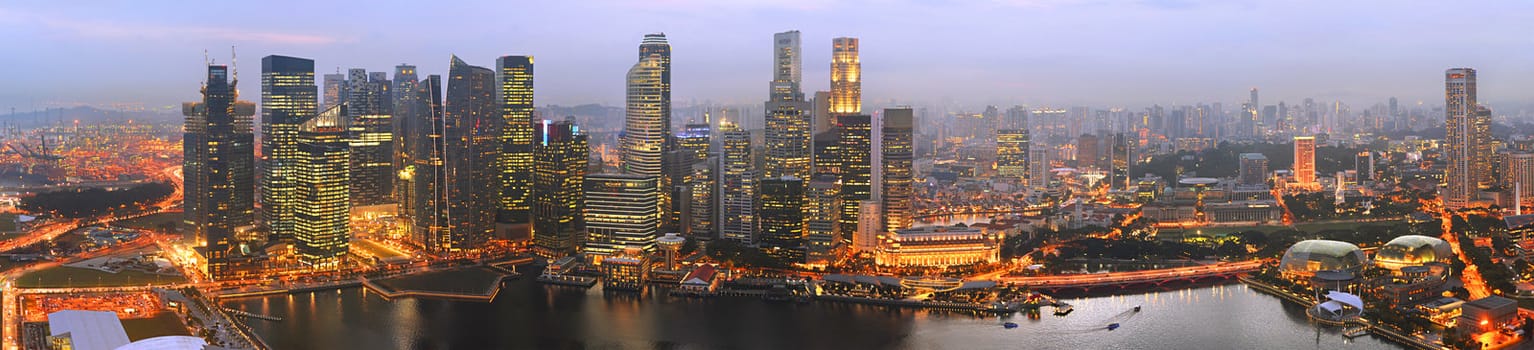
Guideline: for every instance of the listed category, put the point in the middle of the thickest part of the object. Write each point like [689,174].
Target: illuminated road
[1130,277]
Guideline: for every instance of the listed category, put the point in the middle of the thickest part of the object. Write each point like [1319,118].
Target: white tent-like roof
[1345,298]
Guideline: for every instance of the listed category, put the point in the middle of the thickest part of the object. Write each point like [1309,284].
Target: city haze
[1049,52]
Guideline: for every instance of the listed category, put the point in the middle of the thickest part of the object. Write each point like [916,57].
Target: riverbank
[1383,332]
[477,283]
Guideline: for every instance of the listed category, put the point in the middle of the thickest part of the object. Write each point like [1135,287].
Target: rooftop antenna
[234,67]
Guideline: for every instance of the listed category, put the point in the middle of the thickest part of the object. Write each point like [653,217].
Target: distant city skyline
[1039,53]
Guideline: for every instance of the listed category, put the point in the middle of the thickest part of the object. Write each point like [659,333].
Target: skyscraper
[1012,152]
[560,158]
[692,146]
[703,200]
[783,217]
[1463,138]
[647,118]
[1518,175]
[462,183]
[855,141]
[427,172]
[1305,160]
[647,123]
[1039,167]
[1253,169]
[335,89]
[846,77]
[621,211]
[409,118]
[789,119]
[288,98]
[320,176]
[369,125]
[737,186]
[897,156]
[514,76]
[218,158]
[822,213]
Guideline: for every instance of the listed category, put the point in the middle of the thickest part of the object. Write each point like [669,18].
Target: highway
[1128,277]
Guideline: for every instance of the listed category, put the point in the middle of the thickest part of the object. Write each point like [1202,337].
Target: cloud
[122,30]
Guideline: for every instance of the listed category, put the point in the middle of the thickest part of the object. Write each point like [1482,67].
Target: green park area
[469,280]
[1308,227]
[162,222]
[71,277]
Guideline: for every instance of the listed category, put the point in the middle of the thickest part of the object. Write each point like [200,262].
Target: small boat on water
[1113,326]
[1063,309]
[1137,308]
[1009,325]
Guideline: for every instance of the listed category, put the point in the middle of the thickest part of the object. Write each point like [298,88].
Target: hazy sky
[1038,52]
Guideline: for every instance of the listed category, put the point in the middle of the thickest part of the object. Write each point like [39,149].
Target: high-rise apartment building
[288,98]
[218,166]
[560,157]
[514,93]
[621,211]
[321,174]
[1467,140]
[897,157]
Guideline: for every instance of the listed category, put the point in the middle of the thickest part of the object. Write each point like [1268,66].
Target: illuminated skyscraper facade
[288,98]
[647,116]
[322,205]
[1012,152]
[789,119]
[897,156]
[822,219]
[218,165]
[427,172]
[560,157]
[783,217]
[846,77]
[1467,141]
[622,210]
[738,182]
[856,157]
[1305,160]
[514,78]
[370,134]
[463,183]
[409,117]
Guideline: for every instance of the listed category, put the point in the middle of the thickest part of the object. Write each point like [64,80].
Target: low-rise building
[701,280]
[938,246]
[625,271]
[1487,314]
